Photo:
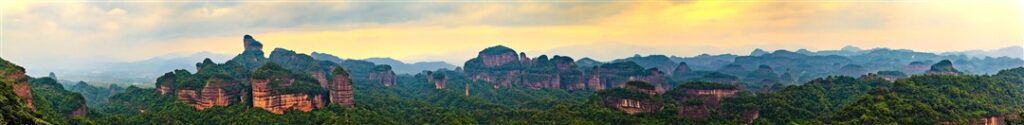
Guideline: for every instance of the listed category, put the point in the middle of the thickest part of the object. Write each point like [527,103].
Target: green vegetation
[706,86]
[54,103]
[495,50]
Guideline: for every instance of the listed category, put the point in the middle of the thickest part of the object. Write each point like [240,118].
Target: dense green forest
[919,99]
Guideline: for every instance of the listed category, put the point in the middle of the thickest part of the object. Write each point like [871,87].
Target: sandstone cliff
[340,88]
[383,75]
[276,89]
[635,97]
[697,99]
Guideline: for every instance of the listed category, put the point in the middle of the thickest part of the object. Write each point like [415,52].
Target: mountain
[284,81]
[406,68]
[1012,52]
[15,98]
[143,71]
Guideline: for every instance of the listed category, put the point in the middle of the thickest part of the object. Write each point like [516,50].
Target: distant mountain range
[1012,52]
[145,71]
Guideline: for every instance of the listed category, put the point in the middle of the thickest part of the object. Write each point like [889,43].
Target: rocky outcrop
[682,68]
[15,76]
[276,90]
[634,97]
[23,90]
[81,111]
[944,67]
[498,55]
[593,78]
[251,45]
[252,56]
[701,97]
[219,91]
[991,120]
[340,89]
[383,75]
[657,78]
[439,80]
[285,81]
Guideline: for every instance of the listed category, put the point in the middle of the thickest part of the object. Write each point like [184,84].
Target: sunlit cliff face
[453,31]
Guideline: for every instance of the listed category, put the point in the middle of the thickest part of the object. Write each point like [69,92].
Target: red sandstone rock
[384,77]
[710,99]
[21,86]
[340,90]
[218,92]
[500,59]
[80,111]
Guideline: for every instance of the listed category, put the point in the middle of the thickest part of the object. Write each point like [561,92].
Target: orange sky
[455,31]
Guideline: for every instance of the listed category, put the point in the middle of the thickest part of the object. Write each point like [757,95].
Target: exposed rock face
[274,89]
[616,74]
[219,92]
[340,89]
[383,74]
[944,67]
[502,67]
[701,97]
[439,80]
[634,97]
[682,68]
[287,80]
[498,55]
[252,56]
[80,111]
[594,80]
[15,75]
[251,45]
[188,96]
[991,120]
[657,78]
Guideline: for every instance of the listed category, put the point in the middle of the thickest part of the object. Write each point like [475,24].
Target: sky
[76,33]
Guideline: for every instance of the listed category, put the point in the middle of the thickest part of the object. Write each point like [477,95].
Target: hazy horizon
[40,35]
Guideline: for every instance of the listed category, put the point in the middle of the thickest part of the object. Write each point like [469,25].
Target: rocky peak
[563,62]
[340,89]
[439,79]
[682,68]
[52,76]
[251,45]
[383,75]
[698,98]
[944,67]
[497,55]
[635,97]
[587,62]
[758,52]
[276,89]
